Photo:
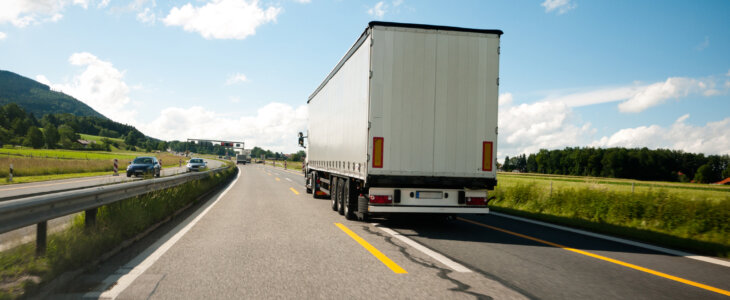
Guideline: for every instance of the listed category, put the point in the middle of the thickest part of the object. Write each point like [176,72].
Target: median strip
[611,260]
[375,252]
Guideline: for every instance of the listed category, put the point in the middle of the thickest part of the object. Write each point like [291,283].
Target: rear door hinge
[497,81]
[371,74]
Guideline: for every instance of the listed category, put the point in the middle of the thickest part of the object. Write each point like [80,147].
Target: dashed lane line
[294,191]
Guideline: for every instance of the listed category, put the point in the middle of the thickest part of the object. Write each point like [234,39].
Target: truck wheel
[362,208]
[333,192]
[350,203]
[315,189]
[308,180]
[341,196]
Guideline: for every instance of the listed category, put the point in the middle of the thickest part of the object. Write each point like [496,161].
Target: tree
[67,136]
[703,174]
[35,137]
[51,136]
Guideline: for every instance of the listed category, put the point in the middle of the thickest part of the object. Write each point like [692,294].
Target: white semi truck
[406,122]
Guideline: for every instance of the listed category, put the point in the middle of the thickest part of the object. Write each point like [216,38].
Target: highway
[14,191]
[264,237]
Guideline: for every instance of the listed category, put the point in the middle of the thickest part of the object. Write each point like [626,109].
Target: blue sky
[572,73]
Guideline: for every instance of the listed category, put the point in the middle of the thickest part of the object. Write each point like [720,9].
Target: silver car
[196,164]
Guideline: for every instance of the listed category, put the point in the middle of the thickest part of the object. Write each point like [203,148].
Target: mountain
[37,98]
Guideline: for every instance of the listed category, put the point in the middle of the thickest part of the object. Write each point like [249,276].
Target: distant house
[85,143]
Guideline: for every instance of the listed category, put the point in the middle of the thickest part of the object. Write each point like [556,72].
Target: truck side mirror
[301,140]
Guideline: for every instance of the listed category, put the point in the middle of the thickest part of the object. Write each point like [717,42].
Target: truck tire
[333,192]
[362,208]
[308,179]
[349,200]
[315,188]
[341,196]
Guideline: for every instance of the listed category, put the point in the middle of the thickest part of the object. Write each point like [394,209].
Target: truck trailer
[406,122]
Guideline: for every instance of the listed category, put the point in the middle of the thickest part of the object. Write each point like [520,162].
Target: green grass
[65,154]
[76,246]
[31,165]
[98,139]
[690,191]
[27,179]
[694,220]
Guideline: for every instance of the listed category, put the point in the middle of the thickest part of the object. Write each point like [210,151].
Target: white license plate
[429,195]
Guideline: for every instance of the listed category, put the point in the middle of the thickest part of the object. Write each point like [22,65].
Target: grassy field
[98,139]
[30,165]
[691,191]
[684,216]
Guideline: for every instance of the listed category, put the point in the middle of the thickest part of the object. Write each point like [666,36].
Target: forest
[635,163]
[63,131]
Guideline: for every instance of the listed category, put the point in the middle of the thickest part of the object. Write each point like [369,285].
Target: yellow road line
[611,260]
[375,252]
[50,184]
[293,190]
[277,179]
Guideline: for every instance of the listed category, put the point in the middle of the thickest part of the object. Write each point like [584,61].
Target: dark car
[144,165]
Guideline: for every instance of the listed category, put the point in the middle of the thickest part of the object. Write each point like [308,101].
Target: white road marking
[126,274]
[433,254]
[711,260]
[288,179]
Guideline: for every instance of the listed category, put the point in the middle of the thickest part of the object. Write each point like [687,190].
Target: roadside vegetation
[31,165]
[635,163]
[673,215]
[77,246]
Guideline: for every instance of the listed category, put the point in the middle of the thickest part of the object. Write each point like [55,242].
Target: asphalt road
[266,238]
[14,191]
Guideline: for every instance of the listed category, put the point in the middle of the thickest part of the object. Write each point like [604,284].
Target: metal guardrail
[18,213]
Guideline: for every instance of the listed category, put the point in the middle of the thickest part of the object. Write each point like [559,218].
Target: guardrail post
[90,217]
[40,238]
[10,178]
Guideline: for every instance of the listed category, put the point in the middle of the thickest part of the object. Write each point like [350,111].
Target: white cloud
[275,126]
[713,138]
[303,1]
[527,128]
[397,3]
[505,99]
[705,43]
[3,35]
[236,78]
[636,98]
[378,11]
[22,13]
[728,73]
[103,3]
[146,16]
[222,19]
[658,93]
[562,6]
[100,85]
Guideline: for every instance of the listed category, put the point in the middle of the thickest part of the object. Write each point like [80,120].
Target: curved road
[265,237]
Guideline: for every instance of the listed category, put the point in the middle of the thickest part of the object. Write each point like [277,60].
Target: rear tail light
[476,201]
[381,199]
[487,156]
[378,152]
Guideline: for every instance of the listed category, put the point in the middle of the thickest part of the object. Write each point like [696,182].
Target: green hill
[37,98]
